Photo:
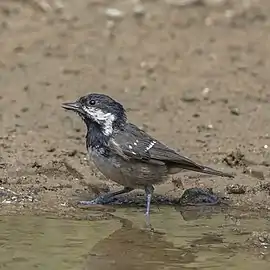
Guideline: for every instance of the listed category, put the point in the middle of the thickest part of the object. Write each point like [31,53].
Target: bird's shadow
[199,200]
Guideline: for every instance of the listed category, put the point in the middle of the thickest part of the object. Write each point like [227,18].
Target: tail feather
[206,170]
[209,170]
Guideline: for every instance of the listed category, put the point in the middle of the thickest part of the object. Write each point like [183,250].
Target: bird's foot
[98,200]
[92,202]
[107,198]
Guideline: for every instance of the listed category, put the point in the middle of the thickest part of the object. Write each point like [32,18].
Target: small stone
[196,115]
[205,91]
[265,146]
[234,111]
[59,6]
[236,189]
[139,10]
[43,5]
[36,165]
[72,153]
[189,98]
[143,86]
[2,165]
[24,109]
[202,128]
[51,149]
[3,180]
[26,88]
[114,13]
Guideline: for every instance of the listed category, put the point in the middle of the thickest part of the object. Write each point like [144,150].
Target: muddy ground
[194,76]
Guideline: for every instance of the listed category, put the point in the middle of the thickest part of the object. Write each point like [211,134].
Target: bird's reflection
[131,248]
[200,212]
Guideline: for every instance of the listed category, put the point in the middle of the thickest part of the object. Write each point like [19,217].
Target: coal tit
[124,153]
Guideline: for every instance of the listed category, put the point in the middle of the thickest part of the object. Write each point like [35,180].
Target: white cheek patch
[104,119]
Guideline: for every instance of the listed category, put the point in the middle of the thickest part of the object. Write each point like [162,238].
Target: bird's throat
[95,137]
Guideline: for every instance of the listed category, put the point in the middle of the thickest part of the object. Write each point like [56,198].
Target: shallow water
[188,241]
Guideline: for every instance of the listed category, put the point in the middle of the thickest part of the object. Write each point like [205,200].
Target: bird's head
[100,109]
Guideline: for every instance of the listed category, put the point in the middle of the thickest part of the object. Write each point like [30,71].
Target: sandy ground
[194,76]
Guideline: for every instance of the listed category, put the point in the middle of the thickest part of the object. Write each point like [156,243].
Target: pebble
[24,109]
[189,97]
[139,10]
[2,166]
[114,13]
[236,189]
[201,128]
[59,6]
[72,153]
[235,111]
[205,91]
[51,149]
[43,5]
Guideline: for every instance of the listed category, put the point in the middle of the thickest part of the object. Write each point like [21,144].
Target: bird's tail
[204,169]
[209,170]
[187,164]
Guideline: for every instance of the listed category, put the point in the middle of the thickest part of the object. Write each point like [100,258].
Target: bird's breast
[129,173]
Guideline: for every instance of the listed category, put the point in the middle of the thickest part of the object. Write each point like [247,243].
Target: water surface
[218,241]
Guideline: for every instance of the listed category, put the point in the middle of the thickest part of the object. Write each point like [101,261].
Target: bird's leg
[149,190]
[104,199]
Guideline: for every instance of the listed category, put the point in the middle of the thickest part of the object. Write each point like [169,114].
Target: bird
[126,154]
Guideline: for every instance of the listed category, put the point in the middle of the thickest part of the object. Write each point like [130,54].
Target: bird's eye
[92,102]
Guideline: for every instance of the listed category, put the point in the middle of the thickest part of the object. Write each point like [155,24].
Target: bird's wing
[134,143]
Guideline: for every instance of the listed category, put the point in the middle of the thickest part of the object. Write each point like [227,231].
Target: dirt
[195,76]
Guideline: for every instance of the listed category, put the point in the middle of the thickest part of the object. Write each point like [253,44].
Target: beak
[73,106]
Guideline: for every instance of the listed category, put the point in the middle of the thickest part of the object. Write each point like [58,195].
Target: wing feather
[134,143]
